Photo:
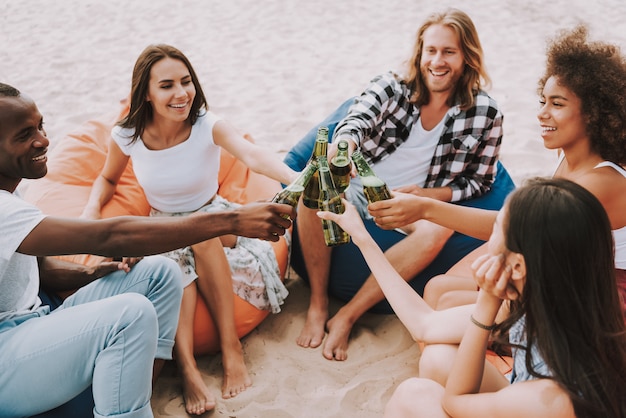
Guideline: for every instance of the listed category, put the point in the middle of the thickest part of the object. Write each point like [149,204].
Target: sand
[275,68]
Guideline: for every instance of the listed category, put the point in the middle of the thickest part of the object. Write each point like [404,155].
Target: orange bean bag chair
[76,161]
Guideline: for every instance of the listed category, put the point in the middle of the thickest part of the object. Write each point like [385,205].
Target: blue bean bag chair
[348,269]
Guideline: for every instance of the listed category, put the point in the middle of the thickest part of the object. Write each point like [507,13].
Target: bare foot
[313,332]
[198,398]
[336,345]
[236,377]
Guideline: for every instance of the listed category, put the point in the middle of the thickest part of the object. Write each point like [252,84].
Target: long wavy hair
[570,300]
[141,112]
[596,73]
[474,76]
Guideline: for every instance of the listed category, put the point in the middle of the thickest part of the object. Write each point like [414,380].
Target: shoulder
[122,136]
[15,210]
[609,186]
[603,180]
[206,120]
[484,106]
[486,102]
[390,82]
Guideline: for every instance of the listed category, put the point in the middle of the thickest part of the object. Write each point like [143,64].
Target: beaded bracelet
[481,325]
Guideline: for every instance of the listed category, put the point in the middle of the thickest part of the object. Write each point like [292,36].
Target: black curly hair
[596,73]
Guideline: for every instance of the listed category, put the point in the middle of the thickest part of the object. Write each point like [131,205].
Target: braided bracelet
[481,325]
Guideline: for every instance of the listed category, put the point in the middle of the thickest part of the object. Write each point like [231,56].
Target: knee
[135,310]
[436,361]
[165,272]
[412,396]
[433,290]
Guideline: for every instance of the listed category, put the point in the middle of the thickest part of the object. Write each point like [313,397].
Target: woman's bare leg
[215,286]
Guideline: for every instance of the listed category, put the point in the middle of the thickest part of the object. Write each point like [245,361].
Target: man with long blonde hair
[447,132]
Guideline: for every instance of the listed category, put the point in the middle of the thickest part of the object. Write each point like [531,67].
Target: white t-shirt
[177,179]
[410,163]
[19,273]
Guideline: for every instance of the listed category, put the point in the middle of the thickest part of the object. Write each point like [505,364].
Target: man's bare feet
[313,332]
[236,377]
[198,398]
[336,345]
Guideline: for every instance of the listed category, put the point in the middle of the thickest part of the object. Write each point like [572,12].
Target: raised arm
[404,209]
[259,159]
[105,184]
[424,323]
[533,398]
[139,236]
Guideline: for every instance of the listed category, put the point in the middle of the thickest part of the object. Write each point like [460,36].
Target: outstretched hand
[493,276]
[264,220]
[401,210]
[349,221]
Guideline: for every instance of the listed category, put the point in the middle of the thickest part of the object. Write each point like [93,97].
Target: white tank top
[181,178]
[619,235]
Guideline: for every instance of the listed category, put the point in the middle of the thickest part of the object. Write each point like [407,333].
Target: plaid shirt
[465,158]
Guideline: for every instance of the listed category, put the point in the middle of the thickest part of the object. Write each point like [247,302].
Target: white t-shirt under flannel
[465,159]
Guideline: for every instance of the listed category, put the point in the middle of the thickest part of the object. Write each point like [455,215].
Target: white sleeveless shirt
[619,235]
[177,179]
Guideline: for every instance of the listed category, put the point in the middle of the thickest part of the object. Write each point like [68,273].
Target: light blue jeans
[106,335]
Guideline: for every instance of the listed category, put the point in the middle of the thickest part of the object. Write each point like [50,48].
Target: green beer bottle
[291,194]
[311,194]
[374,188]
[340,167]
[330,201]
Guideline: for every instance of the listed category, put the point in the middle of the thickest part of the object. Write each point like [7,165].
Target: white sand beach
[275,68]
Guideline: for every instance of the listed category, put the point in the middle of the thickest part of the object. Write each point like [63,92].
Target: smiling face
[171,90]
[442,62]
[562,123]
[23,142]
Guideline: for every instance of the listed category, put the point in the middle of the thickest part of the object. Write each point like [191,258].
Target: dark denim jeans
[348,269]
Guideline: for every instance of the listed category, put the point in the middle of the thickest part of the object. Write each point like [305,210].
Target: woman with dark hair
[547,288]
[583,115]
[174,142]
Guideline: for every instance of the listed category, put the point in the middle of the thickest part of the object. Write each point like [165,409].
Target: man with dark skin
[126,313]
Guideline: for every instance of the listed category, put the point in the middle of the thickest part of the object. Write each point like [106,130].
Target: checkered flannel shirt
[465,158]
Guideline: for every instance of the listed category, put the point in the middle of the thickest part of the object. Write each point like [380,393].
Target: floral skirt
[253,265]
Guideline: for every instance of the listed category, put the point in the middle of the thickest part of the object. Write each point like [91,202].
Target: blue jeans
[106,335]
[348,269]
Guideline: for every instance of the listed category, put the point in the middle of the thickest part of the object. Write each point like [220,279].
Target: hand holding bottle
[349,221]
[311,194]
[402,209]
[374,187]
[330,201]
[341,167]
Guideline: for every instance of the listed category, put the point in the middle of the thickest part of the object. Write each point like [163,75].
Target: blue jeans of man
[107,335]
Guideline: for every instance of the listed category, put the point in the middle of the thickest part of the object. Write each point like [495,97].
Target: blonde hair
[474,76]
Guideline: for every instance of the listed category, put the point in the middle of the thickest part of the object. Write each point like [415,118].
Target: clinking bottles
[330,201]
[310,197]
[374,188]
[340,167]
[291,194]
